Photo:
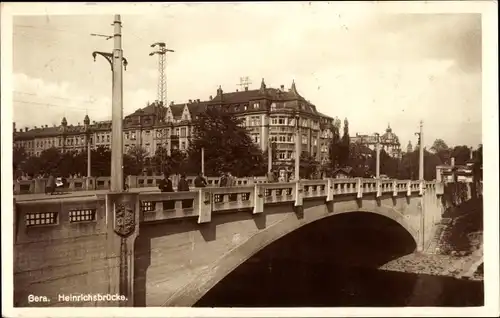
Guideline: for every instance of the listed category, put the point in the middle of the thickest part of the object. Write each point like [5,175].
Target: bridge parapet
[103,183]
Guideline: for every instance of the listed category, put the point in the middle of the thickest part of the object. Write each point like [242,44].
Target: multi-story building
[389,142]
[269,114]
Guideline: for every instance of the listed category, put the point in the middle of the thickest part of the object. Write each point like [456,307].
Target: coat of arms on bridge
[124,219]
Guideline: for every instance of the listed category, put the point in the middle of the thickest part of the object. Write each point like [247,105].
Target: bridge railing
[63,218]
[103,183]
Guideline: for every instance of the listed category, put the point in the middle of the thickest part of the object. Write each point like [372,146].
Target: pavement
[74,194]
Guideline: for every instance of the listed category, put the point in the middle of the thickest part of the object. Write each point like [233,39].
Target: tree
[134,160]
[441,149]
[19,155]
[227,145]
[32,166]
[101,162]
[461,154]
[360,157]
[344,146]
[439,145]
[334,149]
[308,165]
[50,160]
[410,165]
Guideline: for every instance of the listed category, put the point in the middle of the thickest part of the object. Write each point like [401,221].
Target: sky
[370,67]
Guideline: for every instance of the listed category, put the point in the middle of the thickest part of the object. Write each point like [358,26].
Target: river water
[334,263]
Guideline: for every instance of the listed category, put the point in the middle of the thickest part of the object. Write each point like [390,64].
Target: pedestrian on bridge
[165,185]
[183,186]
[200,181]
[50,188]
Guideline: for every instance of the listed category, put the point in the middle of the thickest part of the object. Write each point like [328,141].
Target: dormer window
[273,106]
[255,105]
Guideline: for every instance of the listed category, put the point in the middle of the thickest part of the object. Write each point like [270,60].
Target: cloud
[372,68]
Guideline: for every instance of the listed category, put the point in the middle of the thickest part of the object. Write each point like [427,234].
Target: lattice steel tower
[161,50]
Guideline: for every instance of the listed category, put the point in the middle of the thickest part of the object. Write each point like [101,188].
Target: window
[273,106]
[282,155]
[304,139]
[127,136]
[183,132]
[147,133]
[108,138]
[255,105]
[132,136]
[177,132]
[183,145]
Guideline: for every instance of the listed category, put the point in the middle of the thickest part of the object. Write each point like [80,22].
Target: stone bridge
[169,249]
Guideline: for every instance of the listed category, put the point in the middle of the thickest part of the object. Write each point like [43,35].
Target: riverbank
[458,250]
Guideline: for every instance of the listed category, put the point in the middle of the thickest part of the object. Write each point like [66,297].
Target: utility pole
[269,155]
[244,82]
[117,61]
[377,151]
[203,161]
[298,147]
[420,135]
[161,51]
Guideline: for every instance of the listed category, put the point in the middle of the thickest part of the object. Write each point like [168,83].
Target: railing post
[379,188]
[329,190]
[421,186]
[408,188]
[258,199]
[359,188]
[204,205]
[299,192]
[395,188]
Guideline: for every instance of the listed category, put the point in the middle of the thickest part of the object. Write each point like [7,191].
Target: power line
[51,105]
[52,96]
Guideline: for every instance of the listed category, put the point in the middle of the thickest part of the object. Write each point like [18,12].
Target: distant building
[269,114]
[409,148]
[343,173]
[389,142]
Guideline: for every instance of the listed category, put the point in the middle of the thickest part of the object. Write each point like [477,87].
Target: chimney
[36,127]
[198,100]
[236,90]
[282,88]
[211,97]
[46,126]
[452,161]
[471,153]
[190,101]
[246,88]
[172,103]
[25,129]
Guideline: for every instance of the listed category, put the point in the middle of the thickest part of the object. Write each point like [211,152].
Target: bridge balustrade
[104,183]
[203,202]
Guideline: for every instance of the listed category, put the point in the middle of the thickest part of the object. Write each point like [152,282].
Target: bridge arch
[205,281]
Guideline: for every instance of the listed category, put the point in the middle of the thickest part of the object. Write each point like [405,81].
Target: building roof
[285,99]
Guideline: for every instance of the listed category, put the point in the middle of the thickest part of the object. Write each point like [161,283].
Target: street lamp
[298,146]
[420,135]
[116,60]
[377,151]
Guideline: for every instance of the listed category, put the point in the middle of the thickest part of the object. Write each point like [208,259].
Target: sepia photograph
[249,155]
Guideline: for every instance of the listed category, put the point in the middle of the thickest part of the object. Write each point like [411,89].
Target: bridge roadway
[74,194]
